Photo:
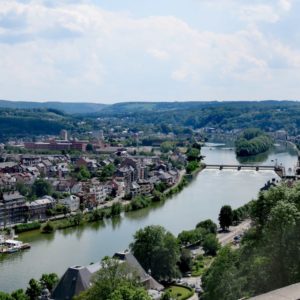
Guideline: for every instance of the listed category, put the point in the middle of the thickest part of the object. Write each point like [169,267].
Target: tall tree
[225,217]
[157,250]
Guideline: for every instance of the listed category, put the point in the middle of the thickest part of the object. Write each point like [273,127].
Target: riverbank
[109,210]
[200,200]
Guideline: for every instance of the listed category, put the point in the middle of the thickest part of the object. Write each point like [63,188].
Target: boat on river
[12,246]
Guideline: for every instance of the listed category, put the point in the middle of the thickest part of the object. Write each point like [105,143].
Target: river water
[202,199]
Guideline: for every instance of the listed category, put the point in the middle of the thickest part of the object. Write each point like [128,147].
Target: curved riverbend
[202,199]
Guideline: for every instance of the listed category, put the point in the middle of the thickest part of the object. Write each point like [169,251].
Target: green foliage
[139,202]
[41,187]
[178,292]
[167,146]
[209,225]
[186,261]
[161,187]
[89,147]
[269,255]
[252,142]
[225,217]
[157,250]
[114,281]
[34,290]
[27,227]
[210,244]
[192,166]
[19,295]
[48,228]
[83,173]
[49,280]
[4,296]
[188,237]
[193,154]
[116,209]
[107,172]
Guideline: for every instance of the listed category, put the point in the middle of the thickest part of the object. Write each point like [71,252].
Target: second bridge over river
[245,167]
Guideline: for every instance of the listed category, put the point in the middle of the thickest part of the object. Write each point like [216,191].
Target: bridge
[278,169]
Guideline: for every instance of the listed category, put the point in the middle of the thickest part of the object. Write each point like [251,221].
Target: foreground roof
[291,292]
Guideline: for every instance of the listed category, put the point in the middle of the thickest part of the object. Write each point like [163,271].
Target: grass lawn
[200,264]
[179,292]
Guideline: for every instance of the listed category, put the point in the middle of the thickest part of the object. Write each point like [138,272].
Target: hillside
[67,107]
[31,122]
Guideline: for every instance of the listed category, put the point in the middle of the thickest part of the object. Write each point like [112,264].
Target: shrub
[27,227]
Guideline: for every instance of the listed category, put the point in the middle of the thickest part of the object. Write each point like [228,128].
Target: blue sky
[137,50]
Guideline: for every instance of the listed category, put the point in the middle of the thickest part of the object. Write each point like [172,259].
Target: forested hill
[266,115]
[31,122]
[67,107]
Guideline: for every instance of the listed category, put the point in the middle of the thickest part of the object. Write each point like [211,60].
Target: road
[227,237]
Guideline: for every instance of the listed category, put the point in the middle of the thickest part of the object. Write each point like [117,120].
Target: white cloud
[157,53]
[285,4]
[80,51]
[259,12]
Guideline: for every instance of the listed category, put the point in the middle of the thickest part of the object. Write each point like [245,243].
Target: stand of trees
[269,254]
[252,142]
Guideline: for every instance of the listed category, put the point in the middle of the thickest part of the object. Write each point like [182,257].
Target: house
[37,209]
[79,278]
[13,208]
[72,202]
[146,187]
[90,164]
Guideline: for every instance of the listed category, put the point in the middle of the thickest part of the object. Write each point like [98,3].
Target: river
[202,199]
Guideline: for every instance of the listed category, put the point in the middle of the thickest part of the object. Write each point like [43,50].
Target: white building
[72,201]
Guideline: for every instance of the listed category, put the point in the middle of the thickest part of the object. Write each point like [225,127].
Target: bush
[27,227]
[48,228]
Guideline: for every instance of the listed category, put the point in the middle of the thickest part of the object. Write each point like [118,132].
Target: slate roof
[77,279]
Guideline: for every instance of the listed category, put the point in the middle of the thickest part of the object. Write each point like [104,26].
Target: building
[78,278]
[13,208]
[291,292]
[63,135]
[72,202]
[37,210]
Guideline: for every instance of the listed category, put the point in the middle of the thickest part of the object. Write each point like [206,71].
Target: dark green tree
[34,289]
[41,188]
[225,217]
[210,244]
[157,250]
[209,225]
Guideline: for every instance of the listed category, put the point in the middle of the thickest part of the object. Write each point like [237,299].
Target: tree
[114,281]
[107,172]
[89,147]
[41,188]
[4,296]
[157,250]
[225,217]
[49,280]
[166,146]
[34,290]
[193,154]
[209,225]
[210,244]
[19,295]
[186,261]
[48,228]
[116,209]
[83,173]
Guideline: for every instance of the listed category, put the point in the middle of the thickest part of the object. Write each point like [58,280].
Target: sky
[140,50]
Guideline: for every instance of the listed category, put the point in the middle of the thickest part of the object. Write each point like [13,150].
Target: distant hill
[67,107]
